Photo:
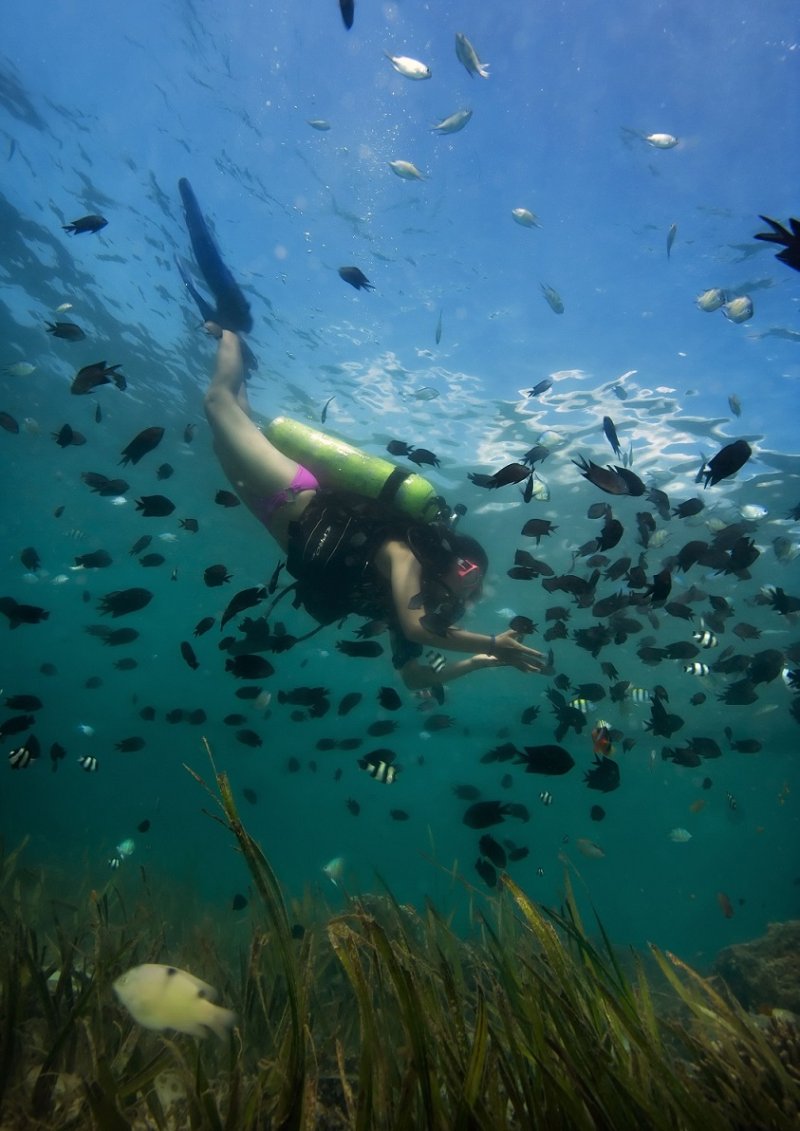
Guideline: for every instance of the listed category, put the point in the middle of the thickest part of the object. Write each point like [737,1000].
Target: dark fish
[486,872]
[187,651]
[614,481]
[249,667]
[203,626]
[492,850]
[150,561]
[216,575]
[398,814]
[225,498]
[529,715]
[356,278]
[348,702]
[30,559]
[154,506]
[727,462]
[23,703]
[688,508]
[781,235]
[421,456]
[21,614]
[485,813]
[323,416]
[611,435]
[140,445]
[245,599]
[197,717]
[521,624]
[250,795]
[249,737]
[348,10]
[98,373]
[97,559]
[389,699]
[548,759]
[603,775]
[67,437]
[57,754]
[671,234]
[381,727]
[541,387]
[16,725]
[130,745]
[165,471]
[367,649]
[104,486]
[503,753]
[467,792]
[239,902]
[141,544]
[126,665]
[190,524]
[91,223]
[124,601]
[66,330]
[597,812]
[538,528]
[399,448]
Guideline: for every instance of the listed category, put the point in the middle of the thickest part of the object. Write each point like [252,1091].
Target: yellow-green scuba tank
[341,466]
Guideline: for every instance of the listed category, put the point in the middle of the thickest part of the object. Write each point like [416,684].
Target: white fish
[168,536]
[59,579]
[525,218]
[407,67]
[679,836]
[406,170]
[85,729]
[164,997]
[466,54]
[539,489]
[738,309]
[588,848]
[753,511]
[334,869]
[318,124]
[31,426]
[711,299]
[453,123]
[661,141]
[119,501]
[20,369]
[126,848]
[64,306]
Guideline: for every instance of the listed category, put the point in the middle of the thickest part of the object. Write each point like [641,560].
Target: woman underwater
[353,555]
[348,554]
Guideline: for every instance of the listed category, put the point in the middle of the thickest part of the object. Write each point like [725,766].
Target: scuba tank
[341,466]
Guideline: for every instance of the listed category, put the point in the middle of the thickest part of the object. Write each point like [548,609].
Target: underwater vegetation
[378,1016]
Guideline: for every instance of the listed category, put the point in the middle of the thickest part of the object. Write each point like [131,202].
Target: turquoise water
[102,110]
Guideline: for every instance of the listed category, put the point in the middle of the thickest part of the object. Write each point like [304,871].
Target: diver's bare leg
[254,466]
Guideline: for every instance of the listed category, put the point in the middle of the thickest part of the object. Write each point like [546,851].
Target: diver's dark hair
[465,546]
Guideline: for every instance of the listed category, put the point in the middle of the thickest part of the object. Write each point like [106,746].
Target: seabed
[375,1017]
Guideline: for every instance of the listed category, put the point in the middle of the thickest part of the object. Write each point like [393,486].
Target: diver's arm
[417,676]
[405,576]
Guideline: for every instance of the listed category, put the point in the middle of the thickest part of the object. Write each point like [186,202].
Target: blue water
[102,109]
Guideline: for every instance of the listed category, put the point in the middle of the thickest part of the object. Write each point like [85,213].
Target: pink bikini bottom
[266,507]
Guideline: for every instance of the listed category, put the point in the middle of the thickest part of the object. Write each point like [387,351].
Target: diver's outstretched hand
[510,651]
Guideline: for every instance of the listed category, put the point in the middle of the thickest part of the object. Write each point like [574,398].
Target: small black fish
[187,651]
[356,278]
[538,528]
[203,626]
[216,575]
[189,524]
[165,471]
[485,813]
[21,614]
[23,703]
[249,737]
[30,559]
[66,330]
[8,423]
[249,667]
[422,456]
[614,481]
[16,725]
[548,759]
[597,812]
[389,699]
[154,506]
[486,872]
[250,795]
[727,462]
[141,444]
[67,437]
[348,10]
[130,745]
[604,774]
[401,448]
[151,561]
[511,473]
[541,387]
[143,826]
[92,223]
[102,485]
[98,373]
[245,599]
[225,498]
[323,416]
[611,435]
[124,601]
[781,235]
[367,649]
[398,814]
[492,850]
[97,559]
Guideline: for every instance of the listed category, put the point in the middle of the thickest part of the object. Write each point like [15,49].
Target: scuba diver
[349,553]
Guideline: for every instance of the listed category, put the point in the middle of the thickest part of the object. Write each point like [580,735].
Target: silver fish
[466,54]
[554,299]
[453,123]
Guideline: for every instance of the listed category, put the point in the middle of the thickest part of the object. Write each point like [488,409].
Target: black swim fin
[232,308]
